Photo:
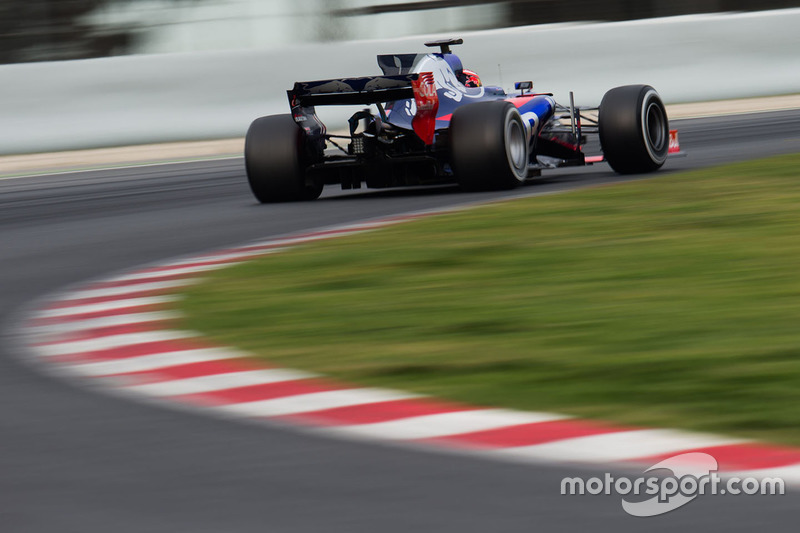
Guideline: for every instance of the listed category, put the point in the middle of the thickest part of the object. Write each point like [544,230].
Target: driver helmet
[466,77]
[471,79]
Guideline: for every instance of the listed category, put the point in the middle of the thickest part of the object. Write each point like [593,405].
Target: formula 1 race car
[435,122]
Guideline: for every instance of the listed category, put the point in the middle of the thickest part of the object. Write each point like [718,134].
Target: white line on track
[225,258]
[157,361]
[59,312]
[319,236]
[789,474]
[129,289]
[317,401]
[177,271]
[445,424]
[618,446]
[120,166]
[219,382]
[72,326]
[109,342]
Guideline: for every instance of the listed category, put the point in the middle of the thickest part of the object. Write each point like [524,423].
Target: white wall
[153,98]
[202,25]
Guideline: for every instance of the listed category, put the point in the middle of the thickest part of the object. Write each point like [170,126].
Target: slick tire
[489,146]
[275,160]
[634,129]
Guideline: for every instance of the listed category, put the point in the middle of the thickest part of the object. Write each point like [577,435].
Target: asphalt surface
[78,460]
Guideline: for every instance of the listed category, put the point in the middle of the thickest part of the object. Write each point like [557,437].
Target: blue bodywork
[409,141]
[535,110]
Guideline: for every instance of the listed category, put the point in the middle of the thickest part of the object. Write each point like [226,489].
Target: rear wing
[349,91]
[367,90]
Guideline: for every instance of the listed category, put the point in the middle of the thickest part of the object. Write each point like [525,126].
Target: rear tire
[489,146]
[634,129]
[275,158]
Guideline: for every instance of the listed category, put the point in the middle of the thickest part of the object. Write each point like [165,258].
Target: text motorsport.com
[693,474]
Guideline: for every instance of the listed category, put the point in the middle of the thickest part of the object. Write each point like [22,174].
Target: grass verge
[669,302]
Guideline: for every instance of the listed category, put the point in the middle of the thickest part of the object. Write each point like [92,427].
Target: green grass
[668,302]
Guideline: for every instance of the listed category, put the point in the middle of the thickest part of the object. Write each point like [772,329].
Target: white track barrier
[156,98]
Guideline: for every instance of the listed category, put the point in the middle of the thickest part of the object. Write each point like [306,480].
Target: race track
[76,460]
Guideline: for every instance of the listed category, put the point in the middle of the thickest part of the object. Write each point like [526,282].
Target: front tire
[489,146]
[634,129]
[275,158]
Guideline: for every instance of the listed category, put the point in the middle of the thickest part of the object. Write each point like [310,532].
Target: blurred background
[188,70]
[45,30]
